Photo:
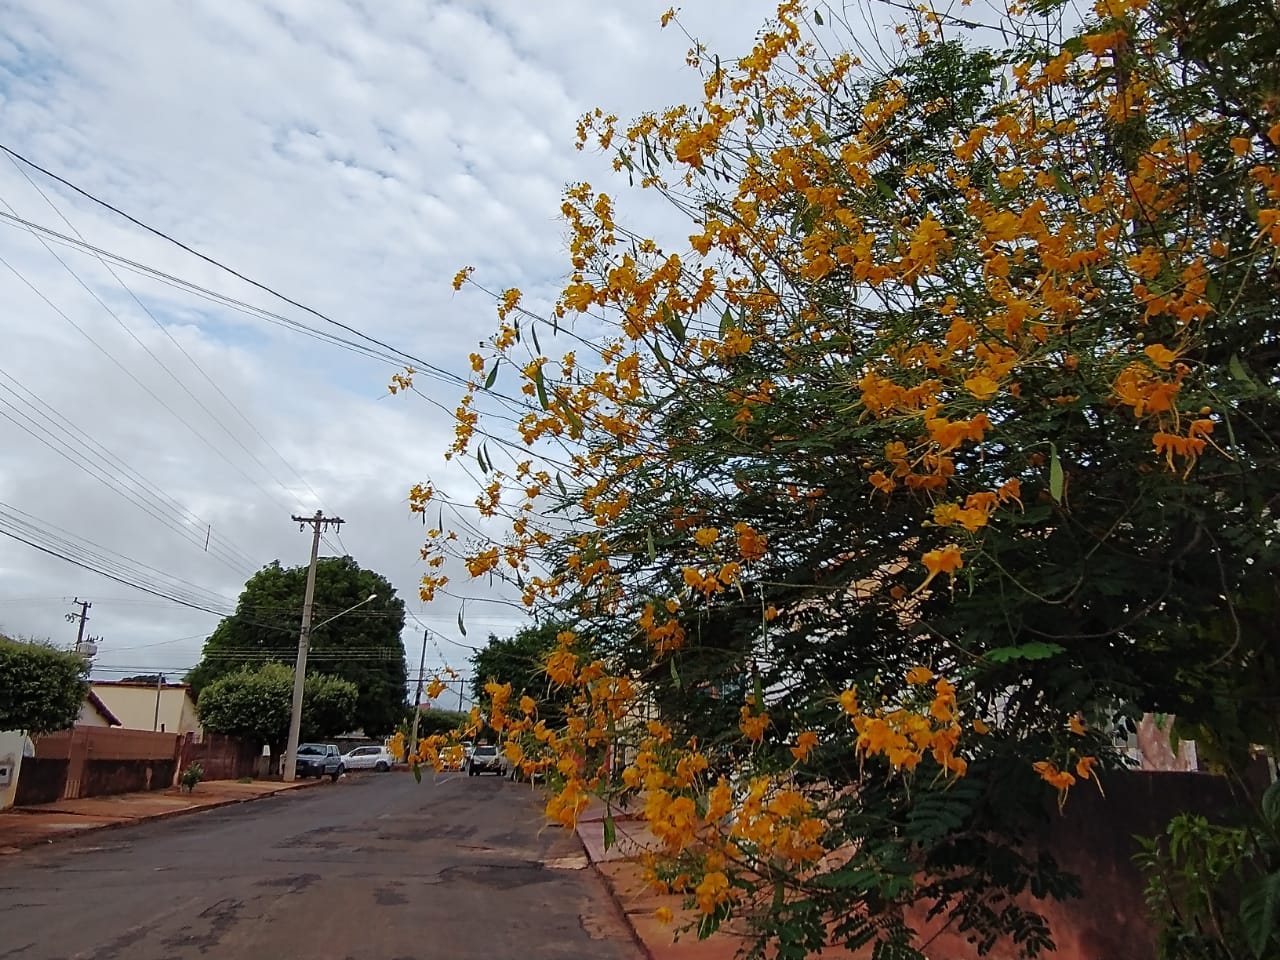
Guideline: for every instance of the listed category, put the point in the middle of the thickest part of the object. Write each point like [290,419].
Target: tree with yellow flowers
[941,447]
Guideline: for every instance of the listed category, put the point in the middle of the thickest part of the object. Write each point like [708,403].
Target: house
[95,713]
[163,707]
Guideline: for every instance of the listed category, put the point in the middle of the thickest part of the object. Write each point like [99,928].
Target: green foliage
[191,776]
[41,689]
[520,661]
[1213,889]
[433,722]
[363,646]
[255,703]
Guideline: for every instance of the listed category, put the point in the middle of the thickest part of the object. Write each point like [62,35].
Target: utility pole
[319,524]
[460,684]
[155,724]
[417,699]
[82,616]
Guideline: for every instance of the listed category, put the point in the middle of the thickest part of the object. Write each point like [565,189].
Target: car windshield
[311,748]
[486,751]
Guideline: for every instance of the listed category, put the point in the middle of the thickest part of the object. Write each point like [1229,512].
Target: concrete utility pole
[417,699]
[155,724]
[319,524]
[82,616]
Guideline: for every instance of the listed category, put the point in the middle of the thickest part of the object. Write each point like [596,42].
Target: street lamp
[370,597]
[299,675]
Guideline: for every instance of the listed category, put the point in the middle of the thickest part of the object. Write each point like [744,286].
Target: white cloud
[353,155]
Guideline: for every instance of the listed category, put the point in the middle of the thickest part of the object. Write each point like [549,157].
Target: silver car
[368,758]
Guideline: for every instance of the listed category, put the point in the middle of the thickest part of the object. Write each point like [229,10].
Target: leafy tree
[41,689]
[945,450]
[254,703]
[518,660]
[363,646]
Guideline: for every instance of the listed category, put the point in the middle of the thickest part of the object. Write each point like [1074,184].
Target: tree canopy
[363,646]
[41,689]
[255,702]
[944,447]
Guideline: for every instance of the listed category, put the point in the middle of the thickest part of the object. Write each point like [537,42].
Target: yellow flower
[462,276]
[982,386]
[980,728]
[943,560]
[1077,725]
[1160,355]
[804,745]
[917,675]
[663,914]
[849,701]
[706,536]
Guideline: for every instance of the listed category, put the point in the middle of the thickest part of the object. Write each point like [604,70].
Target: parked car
[319,760]
[484,759]
[369,758]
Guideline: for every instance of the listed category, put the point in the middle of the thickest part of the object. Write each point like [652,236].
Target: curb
[134,821]
[618,906]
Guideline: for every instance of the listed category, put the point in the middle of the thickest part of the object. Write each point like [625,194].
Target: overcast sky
[352,154]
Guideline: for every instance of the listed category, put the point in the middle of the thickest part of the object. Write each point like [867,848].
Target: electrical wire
[165,330]
[412,360]
[81,450]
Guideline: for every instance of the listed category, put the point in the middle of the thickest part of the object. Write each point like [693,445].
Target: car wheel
[333,777]
[382,767]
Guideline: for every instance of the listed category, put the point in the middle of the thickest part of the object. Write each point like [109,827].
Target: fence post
[77,759]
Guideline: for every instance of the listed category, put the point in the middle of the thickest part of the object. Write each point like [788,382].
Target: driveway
[374,867]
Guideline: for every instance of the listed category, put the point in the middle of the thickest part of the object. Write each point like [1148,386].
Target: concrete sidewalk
[24,827]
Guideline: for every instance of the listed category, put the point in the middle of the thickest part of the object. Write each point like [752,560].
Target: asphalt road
[374,867]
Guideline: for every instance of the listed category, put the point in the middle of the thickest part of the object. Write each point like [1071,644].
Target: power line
[91,457]
[172,339]
[105,570]
[417,362]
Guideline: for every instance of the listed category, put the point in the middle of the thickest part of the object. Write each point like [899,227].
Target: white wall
[11,743]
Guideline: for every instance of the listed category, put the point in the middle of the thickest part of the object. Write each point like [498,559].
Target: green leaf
[1258,913]
[662,359]
[1037,650]
[757,691]
[726,321]
[1238,371]
[1056,479]
[417,772]
[461,626]
[533,332]
[673,322]
[560,483]
[541,386]
[674,673]
[493,376]
[817,18]
[610,831]
[1271,805]
[649,546]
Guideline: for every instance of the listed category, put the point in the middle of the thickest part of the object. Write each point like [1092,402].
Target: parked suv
[368,758]
[319,760]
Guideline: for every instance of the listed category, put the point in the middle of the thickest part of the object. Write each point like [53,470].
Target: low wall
[97,761]
[103,778]
[40,780]
[1093,838]
[221,757]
